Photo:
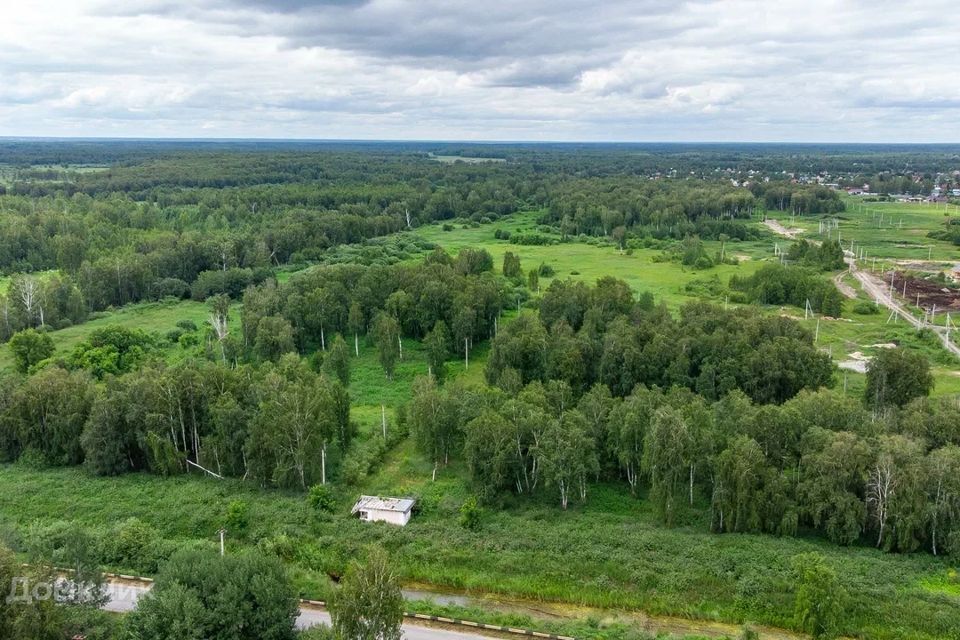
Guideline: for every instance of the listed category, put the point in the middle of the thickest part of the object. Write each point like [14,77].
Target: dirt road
[875,287]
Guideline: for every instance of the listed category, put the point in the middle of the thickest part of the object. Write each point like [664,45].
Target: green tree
[628,425]
[386,333]
[668,451]
[356,325]
[566,454]
[48,412]
[30,347]
[820,598]
[437,345]
[200,595]
[833,470]
[511,265]
[943,488]
[434,420]
[369,604]
[274,338]
[337,362]
[897,376]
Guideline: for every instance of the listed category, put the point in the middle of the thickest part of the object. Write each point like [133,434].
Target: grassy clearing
[152,317]
[589,261]
[887,230]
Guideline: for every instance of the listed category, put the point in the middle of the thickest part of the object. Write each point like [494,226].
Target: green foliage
[112,350]
[779,284]
[897,376]
[369,604]
[200,595]
[237,520]
[386,332]
[826,256]
[274,338]
[820,599]
[30,347]
[337,362]
[320,498]
[471,514]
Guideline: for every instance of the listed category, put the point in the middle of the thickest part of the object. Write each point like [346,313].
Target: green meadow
[152,317]
[595,258]
[886,230]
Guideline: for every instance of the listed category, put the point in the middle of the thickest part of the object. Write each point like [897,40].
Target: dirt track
[878,290]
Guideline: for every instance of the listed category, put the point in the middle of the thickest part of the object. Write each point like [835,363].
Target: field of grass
[152,317]
[887,230]
[589,261]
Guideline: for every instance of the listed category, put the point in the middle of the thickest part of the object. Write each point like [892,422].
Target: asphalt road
[124,596]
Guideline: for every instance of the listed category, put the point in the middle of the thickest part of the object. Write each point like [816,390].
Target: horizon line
[225,139]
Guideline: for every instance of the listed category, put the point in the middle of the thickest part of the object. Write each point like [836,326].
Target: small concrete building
[376,509]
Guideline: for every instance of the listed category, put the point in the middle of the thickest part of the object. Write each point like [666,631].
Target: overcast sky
[719,70]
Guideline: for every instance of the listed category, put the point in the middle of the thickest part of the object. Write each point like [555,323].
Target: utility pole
[223,550]
[383,421]
[466,354]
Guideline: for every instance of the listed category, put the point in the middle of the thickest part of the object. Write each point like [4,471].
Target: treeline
[820,461]
[583,335]
[277,424]
[797,198]
[781,284]
[659,208]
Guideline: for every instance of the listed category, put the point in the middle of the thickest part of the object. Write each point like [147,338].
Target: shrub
[237,519]
[470,514]
[865,308]
[320,498]
[134,544]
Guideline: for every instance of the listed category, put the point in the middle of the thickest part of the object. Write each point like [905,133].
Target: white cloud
[535,69]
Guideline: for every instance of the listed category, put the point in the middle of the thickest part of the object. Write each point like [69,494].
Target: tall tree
[668,452]
[337,362]
[369,604]
[386,332]
[897,376]
[199,595]
[566,454]
[437,345]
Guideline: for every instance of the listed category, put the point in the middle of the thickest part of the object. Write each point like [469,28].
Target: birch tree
[943,467]
[566,455]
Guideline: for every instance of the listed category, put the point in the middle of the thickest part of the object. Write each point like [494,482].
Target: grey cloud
[627,69]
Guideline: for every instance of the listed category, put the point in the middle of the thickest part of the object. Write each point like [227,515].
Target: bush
[133,544]
[470,514]
[320,498]
[865,308]
[237,519]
